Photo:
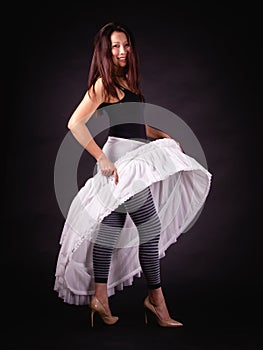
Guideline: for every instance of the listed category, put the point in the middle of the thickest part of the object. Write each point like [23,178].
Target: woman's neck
[122,81]
[120,72]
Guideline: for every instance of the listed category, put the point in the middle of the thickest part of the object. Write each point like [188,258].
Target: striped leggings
[143,213]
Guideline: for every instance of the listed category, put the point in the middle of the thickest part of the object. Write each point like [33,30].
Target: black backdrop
[200,62]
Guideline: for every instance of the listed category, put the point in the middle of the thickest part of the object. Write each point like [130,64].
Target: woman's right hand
[107,168]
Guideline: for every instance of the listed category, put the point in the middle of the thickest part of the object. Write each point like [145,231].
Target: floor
[44,321]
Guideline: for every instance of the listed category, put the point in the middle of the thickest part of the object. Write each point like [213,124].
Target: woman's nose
[122,49]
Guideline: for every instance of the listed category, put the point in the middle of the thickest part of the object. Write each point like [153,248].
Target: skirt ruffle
[179,186]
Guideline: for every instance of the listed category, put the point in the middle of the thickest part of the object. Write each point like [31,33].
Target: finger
[116,177]
[106,172]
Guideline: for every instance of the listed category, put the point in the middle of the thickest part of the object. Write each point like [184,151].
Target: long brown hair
[102,64]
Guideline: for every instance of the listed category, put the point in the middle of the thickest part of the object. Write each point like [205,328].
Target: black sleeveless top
[126,120]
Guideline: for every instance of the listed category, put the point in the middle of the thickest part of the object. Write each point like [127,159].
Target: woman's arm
[81,115]
[154,133]
[79,129]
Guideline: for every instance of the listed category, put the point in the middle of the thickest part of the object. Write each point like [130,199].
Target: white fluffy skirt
[179,186]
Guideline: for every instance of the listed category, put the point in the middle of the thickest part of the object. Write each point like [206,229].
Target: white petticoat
[179,186]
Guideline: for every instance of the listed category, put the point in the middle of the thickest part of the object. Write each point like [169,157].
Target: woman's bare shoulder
[97,92]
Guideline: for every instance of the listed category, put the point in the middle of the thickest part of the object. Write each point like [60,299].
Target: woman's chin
[122,64]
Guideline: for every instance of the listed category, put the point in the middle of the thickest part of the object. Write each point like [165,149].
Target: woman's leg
[144,215]
[106,240]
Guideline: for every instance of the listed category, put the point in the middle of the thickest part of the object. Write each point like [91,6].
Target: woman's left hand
[169,137]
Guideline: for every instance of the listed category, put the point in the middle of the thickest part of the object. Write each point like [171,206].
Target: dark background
[201,62]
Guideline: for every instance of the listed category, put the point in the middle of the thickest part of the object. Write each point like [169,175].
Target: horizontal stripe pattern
[144,215]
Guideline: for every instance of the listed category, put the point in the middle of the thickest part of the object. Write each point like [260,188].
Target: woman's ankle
[101,292]
[156,296]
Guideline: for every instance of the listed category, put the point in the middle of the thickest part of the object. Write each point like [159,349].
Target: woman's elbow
[71,124]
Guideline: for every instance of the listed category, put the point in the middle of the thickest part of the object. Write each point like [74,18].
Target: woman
[99,252]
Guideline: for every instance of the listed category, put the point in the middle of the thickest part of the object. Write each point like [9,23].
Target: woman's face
[120,48]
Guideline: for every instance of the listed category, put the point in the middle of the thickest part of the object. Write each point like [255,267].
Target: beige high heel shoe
[96,306]
[163,323]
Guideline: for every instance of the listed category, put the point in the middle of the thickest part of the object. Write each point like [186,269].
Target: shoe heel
[149,307]
[145,317]
[92,318]
[96,306]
